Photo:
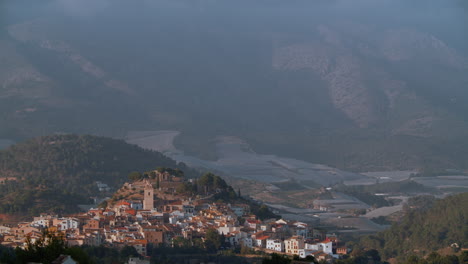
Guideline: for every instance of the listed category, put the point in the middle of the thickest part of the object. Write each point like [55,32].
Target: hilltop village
[162,208]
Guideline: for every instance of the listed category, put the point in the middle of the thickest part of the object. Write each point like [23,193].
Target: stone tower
[148,201]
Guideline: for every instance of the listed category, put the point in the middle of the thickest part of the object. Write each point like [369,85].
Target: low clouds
[83,8]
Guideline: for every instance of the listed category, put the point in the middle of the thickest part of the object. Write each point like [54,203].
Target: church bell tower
[148,201]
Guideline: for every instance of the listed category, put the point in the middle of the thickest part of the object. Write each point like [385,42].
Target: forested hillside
[422,231]
[57,172]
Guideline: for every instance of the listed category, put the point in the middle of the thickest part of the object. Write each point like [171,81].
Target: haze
[360,85]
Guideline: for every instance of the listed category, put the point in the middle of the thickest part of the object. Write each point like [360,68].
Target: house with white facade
[260,241]
[66,223]
[326,246]
[44,223]
[228,229]
[275,244]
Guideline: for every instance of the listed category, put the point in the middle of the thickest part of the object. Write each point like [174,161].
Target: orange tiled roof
[140,241]
[131,211]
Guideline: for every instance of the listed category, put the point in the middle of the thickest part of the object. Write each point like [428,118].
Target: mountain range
[369,86]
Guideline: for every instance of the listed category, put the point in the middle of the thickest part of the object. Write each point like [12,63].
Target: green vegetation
[435,258]
[262,211]
[55,173]
[225,193]
[222,192]
[372,257]
[47,249]
[50,246]
[7,255]
[209,183]
[106,255]
[381,220]
[213,240]
[362,257]
[276,259]
[420,203]
[41,251]
[423,230]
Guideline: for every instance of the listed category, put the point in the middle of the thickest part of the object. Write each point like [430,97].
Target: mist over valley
[367,86]
[218,131]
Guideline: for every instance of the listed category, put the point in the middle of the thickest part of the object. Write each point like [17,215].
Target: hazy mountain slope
[320,81]
[18,77]
[360,84]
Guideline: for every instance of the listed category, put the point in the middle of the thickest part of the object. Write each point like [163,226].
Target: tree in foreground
[276,259]
[48,248]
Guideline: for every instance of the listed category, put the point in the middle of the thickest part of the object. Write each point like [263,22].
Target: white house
[260,241]
[275,244]
[41,223]
[325,246]
[66,223]
[228,229]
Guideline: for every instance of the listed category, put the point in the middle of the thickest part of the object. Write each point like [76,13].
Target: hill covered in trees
[422,230]
[55,173]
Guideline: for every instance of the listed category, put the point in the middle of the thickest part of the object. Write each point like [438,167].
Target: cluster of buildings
[153,221]
[296,238]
